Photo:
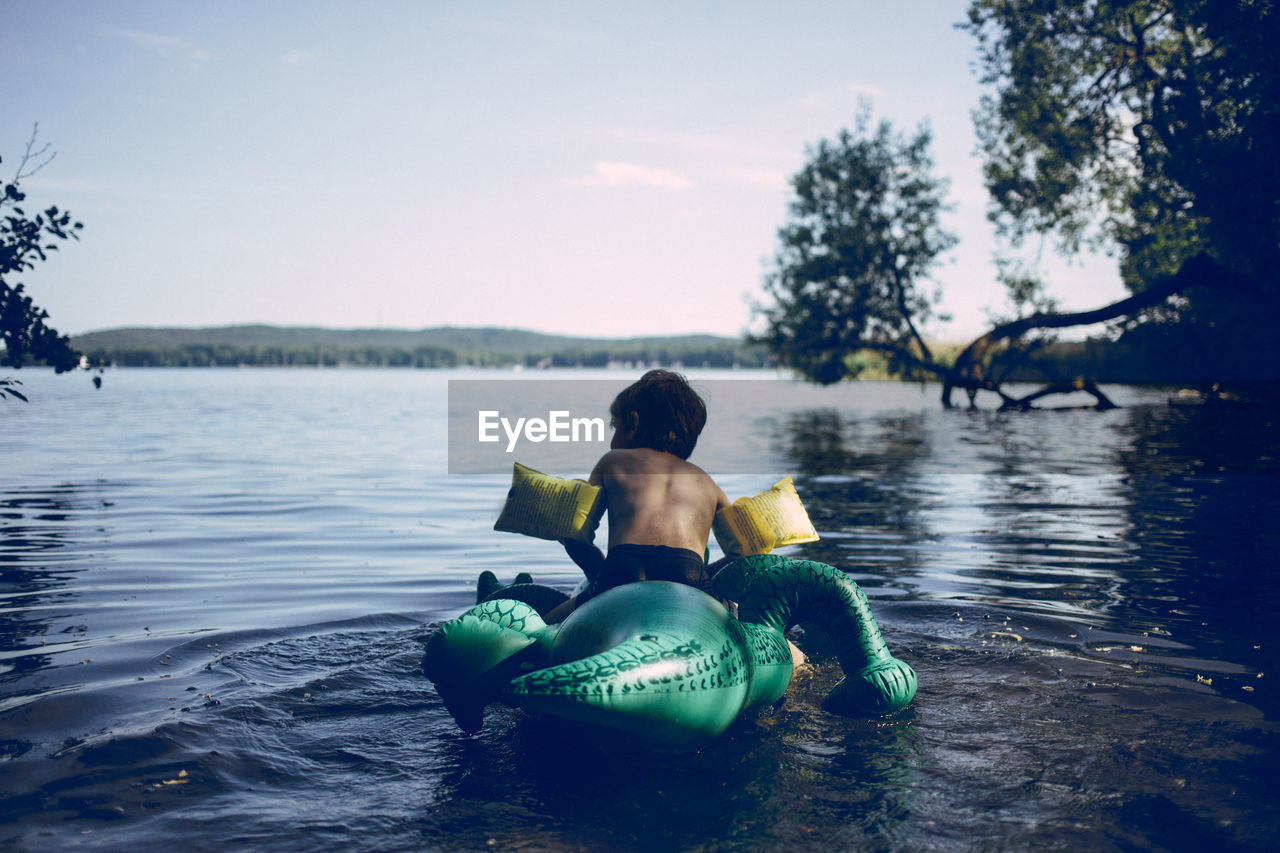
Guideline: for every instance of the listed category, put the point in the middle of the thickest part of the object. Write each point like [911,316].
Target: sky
[584,168]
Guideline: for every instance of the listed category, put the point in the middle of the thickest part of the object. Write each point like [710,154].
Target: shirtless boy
[660,505]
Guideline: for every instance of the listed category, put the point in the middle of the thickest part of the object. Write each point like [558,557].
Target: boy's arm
[586,555]
[722,501]
[717,565]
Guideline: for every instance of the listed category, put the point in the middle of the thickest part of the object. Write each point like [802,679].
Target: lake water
[215,586]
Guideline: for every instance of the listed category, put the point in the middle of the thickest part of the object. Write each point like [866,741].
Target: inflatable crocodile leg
[773,590]
[541,598]
[471,658]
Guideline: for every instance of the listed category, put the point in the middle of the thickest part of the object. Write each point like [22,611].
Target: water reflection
[1203,486]
[861,476]
[1156,525]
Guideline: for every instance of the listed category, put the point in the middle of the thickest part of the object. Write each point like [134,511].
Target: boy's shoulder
[642,460]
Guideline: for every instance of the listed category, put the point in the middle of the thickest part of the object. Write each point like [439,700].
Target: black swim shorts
[630,563]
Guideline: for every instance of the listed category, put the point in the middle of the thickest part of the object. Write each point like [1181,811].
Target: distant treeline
[270,346]
[1142,356]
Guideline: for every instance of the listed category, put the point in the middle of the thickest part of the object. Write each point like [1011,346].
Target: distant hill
[444,346]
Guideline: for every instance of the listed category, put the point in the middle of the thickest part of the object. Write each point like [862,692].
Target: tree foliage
[1154,128]
[1149,128]
[850,271]
[24,241]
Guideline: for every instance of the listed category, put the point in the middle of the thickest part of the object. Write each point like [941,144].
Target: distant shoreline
[444,346]
[497,348]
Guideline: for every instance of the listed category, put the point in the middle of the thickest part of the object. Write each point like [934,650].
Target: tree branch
[926,355]
[1065,387]
[28,155]
[966,372]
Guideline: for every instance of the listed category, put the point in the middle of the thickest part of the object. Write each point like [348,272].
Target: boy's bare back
[657,498]
[660,505]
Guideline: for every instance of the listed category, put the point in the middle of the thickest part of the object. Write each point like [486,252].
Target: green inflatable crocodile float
[665,661]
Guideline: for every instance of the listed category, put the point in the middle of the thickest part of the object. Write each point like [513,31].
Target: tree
[24,240]
[1152,128]
[849,273]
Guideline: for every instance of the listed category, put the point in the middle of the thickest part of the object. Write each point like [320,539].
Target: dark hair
[669,412]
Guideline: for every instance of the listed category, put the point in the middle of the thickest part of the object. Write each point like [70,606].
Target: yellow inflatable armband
[550,507]
[759,524]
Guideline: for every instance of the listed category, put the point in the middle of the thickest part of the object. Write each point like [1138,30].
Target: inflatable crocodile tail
[776,591]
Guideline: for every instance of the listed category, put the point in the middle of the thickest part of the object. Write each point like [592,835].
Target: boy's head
[660,411]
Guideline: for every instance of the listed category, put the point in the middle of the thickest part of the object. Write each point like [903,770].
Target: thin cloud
[615,175]
[155,42]
[297,57]
[160,44]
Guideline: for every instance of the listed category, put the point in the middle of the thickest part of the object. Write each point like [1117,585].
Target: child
[660,505]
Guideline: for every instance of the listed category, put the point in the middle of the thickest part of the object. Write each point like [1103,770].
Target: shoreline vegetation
[453,346]
[445,346]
